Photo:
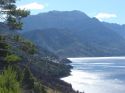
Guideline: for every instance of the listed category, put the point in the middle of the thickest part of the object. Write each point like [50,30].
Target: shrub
[12,58]
[28,47]
[19,73]
[28,78]
[8,82]
[18,38]
[4,45]
[38,88]
[2,38]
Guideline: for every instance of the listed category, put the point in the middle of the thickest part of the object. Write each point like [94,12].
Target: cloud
[32,6]
[103,16]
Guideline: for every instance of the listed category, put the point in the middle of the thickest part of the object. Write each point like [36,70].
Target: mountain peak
[73,11]
[67,13]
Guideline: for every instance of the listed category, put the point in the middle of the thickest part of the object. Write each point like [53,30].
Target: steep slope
[68,44]
[34,70]
[120,29]
[73,34]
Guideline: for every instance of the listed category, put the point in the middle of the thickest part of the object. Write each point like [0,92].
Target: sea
[97,74]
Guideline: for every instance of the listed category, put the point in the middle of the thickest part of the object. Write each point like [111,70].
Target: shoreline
[95,58]
[88,79]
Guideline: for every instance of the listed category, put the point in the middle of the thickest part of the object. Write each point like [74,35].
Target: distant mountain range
[74,34]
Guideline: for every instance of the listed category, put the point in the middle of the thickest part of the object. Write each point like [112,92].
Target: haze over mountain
[74,34]
[120,29]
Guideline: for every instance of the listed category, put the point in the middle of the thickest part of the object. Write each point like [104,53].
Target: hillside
[29,70]
[73,34]
[120,29]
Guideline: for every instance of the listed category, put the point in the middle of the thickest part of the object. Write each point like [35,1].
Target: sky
[112,11]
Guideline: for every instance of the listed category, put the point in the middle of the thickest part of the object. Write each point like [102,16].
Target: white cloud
[103,16]
[32,6]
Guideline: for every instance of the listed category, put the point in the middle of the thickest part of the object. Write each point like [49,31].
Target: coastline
[92,74]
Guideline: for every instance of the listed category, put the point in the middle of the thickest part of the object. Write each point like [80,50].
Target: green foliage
[4,45]
[17,38]
[53,69]
[8,82]
[25,45]
[38,88]
[13,15]
[28,78]
[8,47]
[32,83]
[19,73]
[28,47]
[2,38]
[12,58]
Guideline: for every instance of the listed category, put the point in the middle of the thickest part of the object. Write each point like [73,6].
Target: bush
[28,78]
[12,58]
[28,47]
[8,82]
[4,45]
[17,38]
[38,88]
[4,49]
[2,38]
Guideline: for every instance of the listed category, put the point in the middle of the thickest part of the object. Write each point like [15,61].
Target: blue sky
[112,11]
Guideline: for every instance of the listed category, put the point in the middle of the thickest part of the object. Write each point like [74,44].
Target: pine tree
[11,15]
[9,82]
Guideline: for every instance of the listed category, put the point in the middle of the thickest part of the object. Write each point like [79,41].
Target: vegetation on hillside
[12,58]
[14,78]
[34,72]
[22,67]
[74,34]
[9,82]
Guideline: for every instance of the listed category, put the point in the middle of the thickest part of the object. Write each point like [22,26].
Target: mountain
[73,34]
[55,19]
[120,29]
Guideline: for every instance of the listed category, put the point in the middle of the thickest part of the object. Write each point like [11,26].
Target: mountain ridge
[85,36]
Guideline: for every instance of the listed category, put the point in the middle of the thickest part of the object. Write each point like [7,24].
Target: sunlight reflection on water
[99,75]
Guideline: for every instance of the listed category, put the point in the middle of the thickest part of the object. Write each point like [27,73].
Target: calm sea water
[98,74]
